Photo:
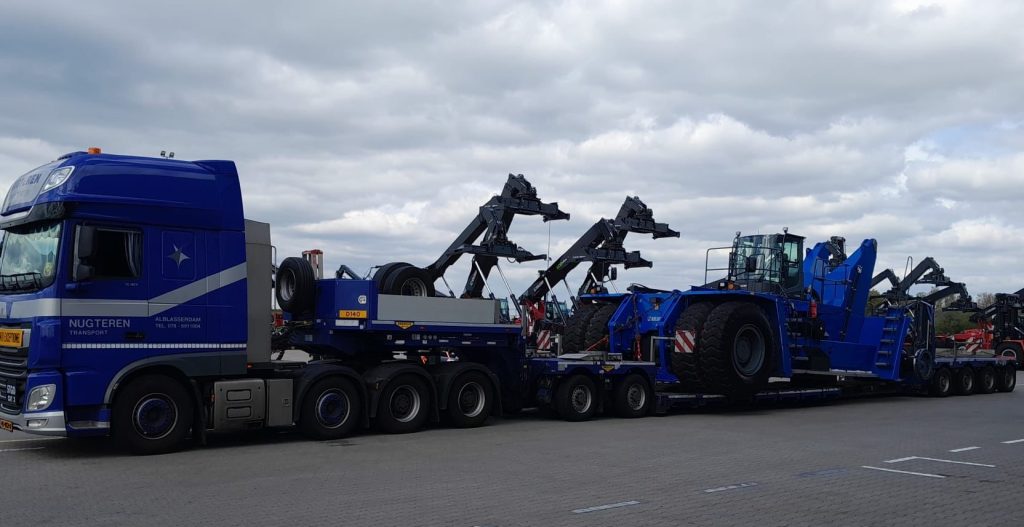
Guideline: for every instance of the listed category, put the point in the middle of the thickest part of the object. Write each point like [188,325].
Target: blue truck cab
[113,265]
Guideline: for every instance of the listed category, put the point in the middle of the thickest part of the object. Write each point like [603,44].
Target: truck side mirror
[86,244]
[613,273]
[83,273]
[750,265]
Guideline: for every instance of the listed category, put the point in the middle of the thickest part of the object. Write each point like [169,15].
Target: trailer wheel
[1012,350]
[963,381]
[632,397]
[404,405]
[942,383]
[576,398]
[597,328]
[406,280]
[294,285]
[985,380]
[575,327]
[736,349]
[1006,378]
[685,365]
[330,409]
[470,400]
[152,415]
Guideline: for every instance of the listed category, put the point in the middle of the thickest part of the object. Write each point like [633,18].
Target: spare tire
[294,285]
[381,276]
[407,280]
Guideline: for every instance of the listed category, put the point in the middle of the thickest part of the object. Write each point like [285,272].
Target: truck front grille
[13,374]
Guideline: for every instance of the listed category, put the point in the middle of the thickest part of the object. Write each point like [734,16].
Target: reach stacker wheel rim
[749,350]
[405,403]
[333,408]
[413,287]
[155,416]
[472,399]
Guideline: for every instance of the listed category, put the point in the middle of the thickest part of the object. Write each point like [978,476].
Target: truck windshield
[28,256]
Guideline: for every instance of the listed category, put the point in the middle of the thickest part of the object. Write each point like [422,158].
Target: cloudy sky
[373,130]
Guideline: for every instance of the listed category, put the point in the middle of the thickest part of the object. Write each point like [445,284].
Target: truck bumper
[42,423]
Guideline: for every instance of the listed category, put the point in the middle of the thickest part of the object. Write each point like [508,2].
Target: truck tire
[576,398]
[152,415]
[685,365]
[576,327]
[330,409]
[404,405]
[470,400]
[597,328]
[632,397]
[1011,349]
[985,380]
[407,280]
[294,285]
[963,381]
[941,384]
[736,349]
[1006,378]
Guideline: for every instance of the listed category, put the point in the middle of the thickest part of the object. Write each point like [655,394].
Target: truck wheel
[404,405]
[963,381]
[985,381]
[407,280]
[736,349]
[942,383]
[576,398]
[632,397]
[152,415]
[597,329]
[1006,378]
[685,365]
[470,400]
[575,327]
[1013,350]
[330,409]
[294,285]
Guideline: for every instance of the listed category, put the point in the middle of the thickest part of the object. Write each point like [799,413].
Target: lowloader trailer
[134,302]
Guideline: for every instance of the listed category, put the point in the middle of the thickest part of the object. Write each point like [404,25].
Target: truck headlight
[41,397]
[57,178]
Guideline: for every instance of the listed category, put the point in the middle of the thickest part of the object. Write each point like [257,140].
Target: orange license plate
[11,338]
[6,425]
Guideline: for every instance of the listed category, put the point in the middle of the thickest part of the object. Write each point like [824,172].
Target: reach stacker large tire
[152,415]
[330,410]
[1013,350]
[736,349]
[1006,378]
[942,383]
[576,327]
[963,381]
[632,397]
[470,400]
[401,278]
[685,364]
[596,337]
[576,398]
[404,405]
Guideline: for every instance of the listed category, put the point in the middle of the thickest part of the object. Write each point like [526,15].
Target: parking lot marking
[902,459]
[904,472]
[731,487]
[21,449]
[965,449]
[1014,441]
[606,507]
[30,440]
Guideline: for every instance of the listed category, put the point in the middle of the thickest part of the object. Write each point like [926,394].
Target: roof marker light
[94,150]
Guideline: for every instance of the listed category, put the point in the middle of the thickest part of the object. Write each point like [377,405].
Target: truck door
[178,304]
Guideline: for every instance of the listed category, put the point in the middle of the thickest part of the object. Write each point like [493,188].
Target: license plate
[6,425]
[11,338]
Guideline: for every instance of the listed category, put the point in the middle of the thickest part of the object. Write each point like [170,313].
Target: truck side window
[118,253]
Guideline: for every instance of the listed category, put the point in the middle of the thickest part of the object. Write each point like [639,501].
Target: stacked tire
[405,279]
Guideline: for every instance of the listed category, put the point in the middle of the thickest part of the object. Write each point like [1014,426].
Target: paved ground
[935,462]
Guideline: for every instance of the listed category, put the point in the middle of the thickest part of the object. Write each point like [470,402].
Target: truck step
[882,364]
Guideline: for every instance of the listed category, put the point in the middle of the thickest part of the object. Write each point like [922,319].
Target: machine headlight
[57,178]
[41,397]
